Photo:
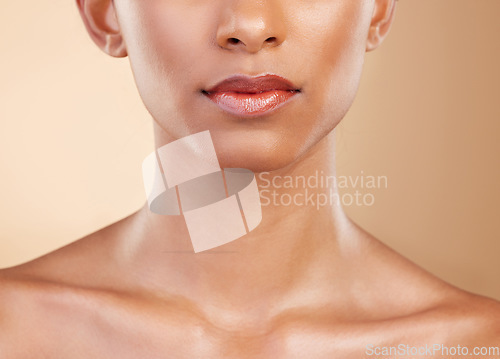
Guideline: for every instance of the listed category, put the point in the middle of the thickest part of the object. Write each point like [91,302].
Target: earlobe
[99,17]
[382,18]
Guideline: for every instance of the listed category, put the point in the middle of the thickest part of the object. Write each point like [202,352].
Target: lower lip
[251,104]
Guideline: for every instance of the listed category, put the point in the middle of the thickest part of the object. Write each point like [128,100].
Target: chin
[258,151]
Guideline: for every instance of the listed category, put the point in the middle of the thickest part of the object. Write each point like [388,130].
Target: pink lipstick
[251,96]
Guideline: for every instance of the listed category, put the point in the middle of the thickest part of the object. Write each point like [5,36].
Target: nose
[251,25]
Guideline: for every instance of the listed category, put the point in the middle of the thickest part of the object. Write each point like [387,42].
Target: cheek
[163,38]
[333,33]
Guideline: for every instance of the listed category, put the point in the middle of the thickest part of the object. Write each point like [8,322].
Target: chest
[132,332]
[188,342]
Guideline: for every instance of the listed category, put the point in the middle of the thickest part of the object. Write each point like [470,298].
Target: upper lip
[248,84]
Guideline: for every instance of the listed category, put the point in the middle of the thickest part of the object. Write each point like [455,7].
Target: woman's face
[178,49]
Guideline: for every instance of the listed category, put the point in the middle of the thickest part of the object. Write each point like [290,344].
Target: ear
[99,17]
[382,18]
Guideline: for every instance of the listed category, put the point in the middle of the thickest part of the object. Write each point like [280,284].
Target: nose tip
[251,28]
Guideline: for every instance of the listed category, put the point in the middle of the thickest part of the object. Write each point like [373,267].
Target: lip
[251,96]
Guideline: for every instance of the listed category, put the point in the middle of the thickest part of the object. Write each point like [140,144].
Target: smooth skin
[306,283]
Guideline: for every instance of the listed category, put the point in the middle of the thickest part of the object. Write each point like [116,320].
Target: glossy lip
[251,96]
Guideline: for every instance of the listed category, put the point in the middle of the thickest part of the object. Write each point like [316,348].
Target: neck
[293,253]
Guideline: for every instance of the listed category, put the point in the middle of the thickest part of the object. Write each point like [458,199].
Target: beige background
[73,134]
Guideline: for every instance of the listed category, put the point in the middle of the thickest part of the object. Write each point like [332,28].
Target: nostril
[233,40]
[271,39]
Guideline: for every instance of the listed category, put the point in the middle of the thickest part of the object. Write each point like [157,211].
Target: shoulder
[86,262]
[461,318]
[420,306]
[38,311]
[20,316]
[40,297]
[477,319]
[458,317]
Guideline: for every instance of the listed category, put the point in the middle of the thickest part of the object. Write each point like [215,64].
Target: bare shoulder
[461,318]
[20,316]
[39,298]
[39,309]
[7,317]
[80,266]
[88,261]
[477,318]
[419,306]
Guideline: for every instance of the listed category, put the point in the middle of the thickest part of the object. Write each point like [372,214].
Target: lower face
[178,49]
